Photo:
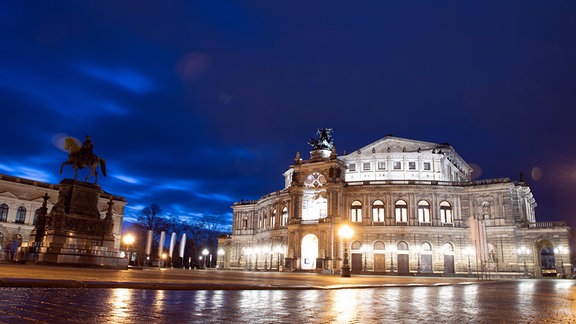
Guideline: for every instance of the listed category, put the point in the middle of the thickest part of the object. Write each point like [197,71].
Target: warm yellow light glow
[128,239]
[345,232]
[205,252]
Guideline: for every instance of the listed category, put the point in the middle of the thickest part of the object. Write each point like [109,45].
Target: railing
[547,224]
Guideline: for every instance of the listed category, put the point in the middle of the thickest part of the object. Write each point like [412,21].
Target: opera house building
[413,209]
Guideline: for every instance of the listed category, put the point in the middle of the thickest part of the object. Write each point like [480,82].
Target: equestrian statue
[83,156]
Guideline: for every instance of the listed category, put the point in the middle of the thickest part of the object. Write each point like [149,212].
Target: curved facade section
[413,209]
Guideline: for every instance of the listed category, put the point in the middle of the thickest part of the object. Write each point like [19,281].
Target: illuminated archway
[309,252]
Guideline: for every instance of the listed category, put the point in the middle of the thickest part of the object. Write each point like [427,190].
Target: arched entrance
[448,250]
[545,260]
[403,258]
[309,252]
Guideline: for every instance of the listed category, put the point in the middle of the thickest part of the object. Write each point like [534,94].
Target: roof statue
[81,156]
[324,141]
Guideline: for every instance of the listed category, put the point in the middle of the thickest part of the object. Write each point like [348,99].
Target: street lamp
[256,252]
[365,249]
[163,259]
[278,250]
[265,251]
[469,252]
[205,253]
[129,240]
[561,251]
[392,250]
[417,250]
[248,257]
[345,233]
[221,257]
[524,251]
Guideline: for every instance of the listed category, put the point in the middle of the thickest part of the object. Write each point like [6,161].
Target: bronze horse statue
[80,157]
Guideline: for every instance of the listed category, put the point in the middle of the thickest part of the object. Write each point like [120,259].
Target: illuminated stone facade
[414,210]
[20,202]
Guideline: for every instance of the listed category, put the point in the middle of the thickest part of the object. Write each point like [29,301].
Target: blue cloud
[126,78]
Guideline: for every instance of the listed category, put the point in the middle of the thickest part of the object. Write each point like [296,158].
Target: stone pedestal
[74,232]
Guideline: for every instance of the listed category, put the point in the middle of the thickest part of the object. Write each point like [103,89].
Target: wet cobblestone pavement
[515,301]
[41,294]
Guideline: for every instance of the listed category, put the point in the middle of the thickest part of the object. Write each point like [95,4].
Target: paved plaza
[43,294]
[153,278]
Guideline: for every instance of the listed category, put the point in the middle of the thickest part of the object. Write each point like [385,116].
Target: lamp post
[417,250]
[392,250]
[248,253]
[129,240]
[221,257]
[163,259]
[345,232]
[561,251]
[256,251]
[265,253]
[205,253]
[524,251]
[469,252]
[278,250]
[365,249]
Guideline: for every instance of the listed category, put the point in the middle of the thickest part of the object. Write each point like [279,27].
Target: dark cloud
[195,104]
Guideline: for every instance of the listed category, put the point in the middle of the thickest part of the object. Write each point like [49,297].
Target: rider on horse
[80,157]
[86,152]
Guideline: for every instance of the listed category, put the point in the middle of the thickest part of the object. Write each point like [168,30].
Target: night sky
[198,104]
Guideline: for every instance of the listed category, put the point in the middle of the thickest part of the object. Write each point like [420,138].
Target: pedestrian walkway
[25,275]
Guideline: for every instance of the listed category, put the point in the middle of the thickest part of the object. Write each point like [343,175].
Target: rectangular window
[352,167]
[412,165]
[356,215]
[427,166]
[381,165]
[366,166]
[397,165]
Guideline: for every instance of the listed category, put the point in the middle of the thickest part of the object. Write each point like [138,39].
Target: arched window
[36,212]
[284,216]
[445,212]
[21,215]
[426,247]
[378,211]
[401,211]
[356,211]
[423,211]
[273,219]
[402,246]
[379,246]
[3,213]
[448,249]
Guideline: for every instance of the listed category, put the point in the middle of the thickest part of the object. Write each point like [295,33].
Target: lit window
[352,167]
[3,213]
[366,166]
[21,215]
[356,211]
[423,211]
[273,219]
[244,223]
[381,165]
[284,216]
[427,166]
[445,212]
[401,211]
[397,165]
[36,212]
[412,165]
[378,211]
